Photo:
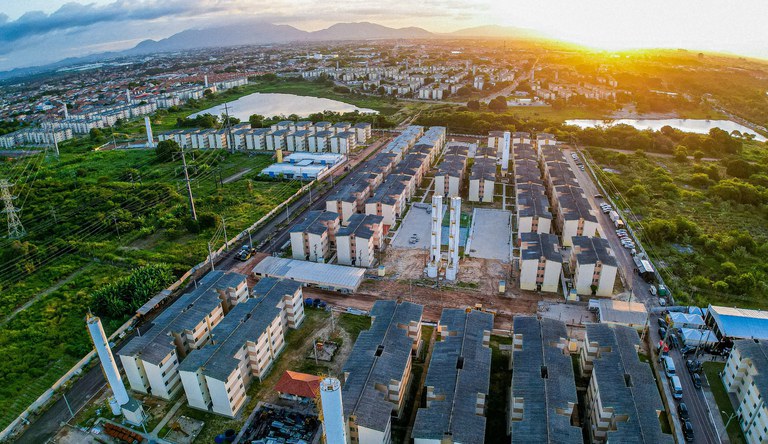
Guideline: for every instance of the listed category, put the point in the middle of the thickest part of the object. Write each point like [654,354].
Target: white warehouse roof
[336,277]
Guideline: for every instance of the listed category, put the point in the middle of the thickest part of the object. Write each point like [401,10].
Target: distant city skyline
[36,32]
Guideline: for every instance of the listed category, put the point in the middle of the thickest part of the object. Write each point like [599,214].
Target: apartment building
[544,139]
[348,199]
[541,262]
[573,214]
[521,137]
[533,213]
[363,132]
[276,139]
[543,406]
[482,180]
[341,127]
[314,237]
[297,141]
[593,266]
[388,201]
[457,382]
[320,141]
[151,361]
[377,374]
[451,170]
[622,401]
[244,346]
[343,142]
[358,241]
[746,379]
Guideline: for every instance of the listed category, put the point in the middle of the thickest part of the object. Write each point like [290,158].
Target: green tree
[698,155]
[256,120]
[499,104]
[681,153]
[473,105]
[166,150]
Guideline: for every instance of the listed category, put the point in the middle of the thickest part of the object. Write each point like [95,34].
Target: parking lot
[491,234]
[417,223]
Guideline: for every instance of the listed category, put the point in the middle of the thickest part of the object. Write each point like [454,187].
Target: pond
[275,104]
[699,126]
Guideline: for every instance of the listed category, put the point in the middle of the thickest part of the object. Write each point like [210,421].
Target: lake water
[274,104]
[700,126]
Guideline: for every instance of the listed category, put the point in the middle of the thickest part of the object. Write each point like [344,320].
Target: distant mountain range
[259,33]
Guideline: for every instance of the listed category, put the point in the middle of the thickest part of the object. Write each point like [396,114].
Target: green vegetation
[354,324]
[125,295]
[91,218]
[704,224]
[501,377]
[712,373]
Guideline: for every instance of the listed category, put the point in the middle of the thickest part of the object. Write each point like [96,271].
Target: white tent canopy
[681,320]
[695,337]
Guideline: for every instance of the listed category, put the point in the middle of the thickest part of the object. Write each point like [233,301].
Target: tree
[499,104]
[166,150]
[473,105]
[681,153]
[256,120]
[208,93]
[698,155]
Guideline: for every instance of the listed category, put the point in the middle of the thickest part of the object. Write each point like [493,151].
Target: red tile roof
[299,384]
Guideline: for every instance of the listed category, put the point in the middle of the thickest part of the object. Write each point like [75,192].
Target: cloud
[75,15]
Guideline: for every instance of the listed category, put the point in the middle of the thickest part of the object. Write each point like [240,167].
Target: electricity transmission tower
[15,229]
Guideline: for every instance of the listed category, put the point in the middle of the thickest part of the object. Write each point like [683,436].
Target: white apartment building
[541,262]
[593,265]
[744,379]
[313,238]
[343,142]
[357,243]
[245,346]
[151,361]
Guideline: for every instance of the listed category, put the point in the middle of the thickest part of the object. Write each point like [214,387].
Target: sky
[35,32]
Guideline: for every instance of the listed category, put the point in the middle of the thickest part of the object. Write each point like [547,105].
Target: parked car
[687,349]
[662,332]
[669,367]
[696,380]
[677,387]
[682,411]
[694,366]
[652,289]
[673,341]
[245,253]
[688,431]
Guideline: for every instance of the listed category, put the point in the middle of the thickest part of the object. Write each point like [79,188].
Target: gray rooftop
[315,222]
[573,204]
[459,370]
[638,402]
[532,201]
[186,313]
[386,193]
[483,169]
[245,322]
[543,376]
[379,355]
[593,249]
[540,244]
[360,225]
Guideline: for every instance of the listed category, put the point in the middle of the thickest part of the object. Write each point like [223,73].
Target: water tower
[120,402]
[334,427]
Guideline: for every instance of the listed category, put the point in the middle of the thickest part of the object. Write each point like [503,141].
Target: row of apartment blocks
[745,377]
[622,404]
[360,211]
[549,198]
[321,137]
[43,136]
[213,340]
[451,170]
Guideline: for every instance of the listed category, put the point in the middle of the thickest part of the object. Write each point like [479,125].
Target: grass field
[85,203]
[712,372]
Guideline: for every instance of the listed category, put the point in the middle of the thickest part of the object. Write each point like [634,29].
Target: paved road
[704,430]
[91,383]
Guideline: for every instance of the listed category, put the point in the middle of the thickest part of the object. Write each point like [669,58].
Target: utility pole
[230,142]
[250,239]
[53,139]
[210,256]
[192,211]
[15,229]
[226,241]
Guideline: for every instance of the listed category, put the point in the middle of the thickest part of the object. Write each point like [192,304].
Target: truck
[614,216]
[619,224]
